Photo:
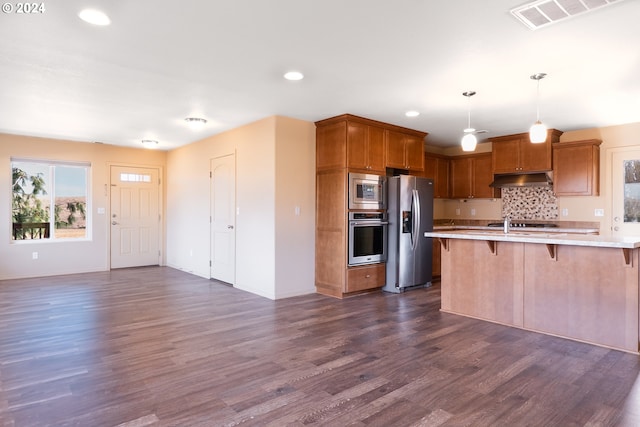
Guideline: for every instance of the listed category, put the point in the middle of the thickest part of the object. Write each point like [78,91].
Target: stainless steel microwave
[366,191]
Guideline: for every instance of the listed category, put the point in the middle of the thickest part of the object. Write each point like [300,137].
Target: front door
[625,169]
[135,217]
[223,206]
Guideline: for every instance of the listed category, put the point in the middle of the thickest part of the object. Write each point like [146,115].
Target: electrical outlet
[473,212]
[34,255]
[599,212]
[457,211]
[565,212]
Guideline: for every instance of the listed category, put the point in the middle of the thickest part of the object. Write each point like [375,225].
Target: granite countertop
[555,237]
[516,229]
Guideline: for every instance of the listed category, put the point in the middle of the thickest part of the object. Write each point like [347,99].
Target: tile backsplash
[530,203]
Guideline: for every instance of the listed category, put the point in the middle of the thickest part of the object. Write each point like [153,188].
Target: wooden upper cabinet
[405,150]
[437,168]
[516,154]
[331,150]
[576,168]
[365,147]
[360,144]
[471,176]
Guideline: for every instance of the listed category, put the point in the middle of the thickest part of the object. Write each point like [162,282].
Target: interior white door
[625,169]
[135,217]
[223,206]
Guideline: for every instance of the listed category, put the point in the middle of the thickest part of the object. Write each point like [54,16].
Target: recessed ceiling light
[195,123]
[95,17]
[294,75]
[149,143]
[412,113]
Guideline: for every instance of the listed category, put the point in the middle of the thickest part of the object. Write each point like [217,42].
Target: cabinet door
[535,157]
[437,168]
[375,149]
[576,170]
[442,178]
[482,177]
[460,178]
[505,156]
[357,145]
[331,146]
[365,147]
[395,149]
[414,153]
[430,168]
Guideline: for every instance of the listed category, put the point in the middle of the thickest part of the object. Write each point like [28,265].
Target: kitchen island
[582,287]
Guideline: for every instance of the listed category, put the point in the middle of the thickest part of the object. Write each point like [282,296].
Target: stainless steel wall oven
[367,237]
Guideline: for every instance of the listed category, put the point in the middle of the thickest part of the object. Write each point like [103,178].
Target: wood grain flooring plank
[160,347]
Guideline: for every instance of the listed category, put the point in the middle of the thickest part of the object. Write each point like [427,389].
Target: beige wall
[579,208]
[64,257]
[275,161]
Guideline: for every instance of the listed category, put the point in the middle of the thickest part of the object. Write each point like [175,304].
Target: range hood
[522,180]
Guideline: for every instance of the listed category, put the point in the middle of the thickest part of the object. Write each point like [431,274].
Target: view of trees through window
[632,191]
[49,200]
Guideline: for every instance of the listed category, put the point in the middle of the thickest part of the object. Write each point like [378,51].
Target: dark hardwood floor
[159,347]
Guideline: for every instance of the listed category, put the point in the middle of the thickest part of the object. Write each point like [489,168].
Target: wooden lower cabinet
[365,277]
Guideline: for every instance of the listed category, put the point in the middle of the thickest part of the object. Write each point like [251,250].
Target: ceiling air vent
[544,12]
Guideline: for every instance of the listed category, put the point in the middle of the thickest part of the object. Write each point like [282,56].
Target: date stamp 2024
[23,8]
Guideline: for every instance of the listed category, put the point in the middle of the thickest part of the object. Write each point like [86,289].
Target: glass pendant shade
[469,142]
[538,133]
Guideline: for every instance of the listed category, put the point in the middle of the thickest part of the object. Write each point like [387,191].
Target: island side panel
[483,280]
[588,293]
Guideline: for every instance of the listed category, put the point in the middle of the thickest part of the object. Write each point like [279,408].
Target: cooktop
[523,224]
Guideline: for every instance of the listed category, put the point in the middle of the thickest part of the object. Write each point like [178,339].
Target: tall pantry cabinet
[346,144]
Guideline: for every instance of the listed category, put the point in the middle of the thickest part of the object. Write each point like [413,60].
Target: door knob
[616,228]
[616,219]
[230,227]
[114,223]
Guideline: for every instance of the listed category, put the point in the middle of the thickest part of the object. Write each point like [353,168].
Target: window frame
[51,186]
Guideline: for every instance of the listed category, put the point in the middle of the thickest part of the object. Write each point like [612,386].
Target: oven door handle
[370,223]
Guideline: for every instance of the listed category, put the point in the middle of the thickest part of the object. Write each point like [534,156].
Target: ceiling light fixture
[195,123]
[94,17]
[149,143]
[469,140]
[294,75]
[538,131]
[412,113]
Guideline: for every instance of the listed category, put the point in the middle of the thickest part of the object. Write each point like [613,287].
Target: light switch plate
[599,212]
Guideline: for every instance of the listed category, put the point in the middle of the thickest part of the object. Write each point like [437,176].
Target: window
[134,177]
[49,200]
[632,191]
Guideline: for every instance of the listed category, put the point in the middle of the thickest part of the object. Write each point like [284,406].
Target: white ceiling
[161,61]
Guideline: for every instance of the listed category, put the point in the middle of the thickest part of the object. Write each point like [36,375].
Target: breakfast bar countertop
[555,237]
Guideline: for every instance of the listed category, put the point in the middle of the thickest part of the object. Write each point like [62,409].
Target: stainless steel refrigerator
[410,213]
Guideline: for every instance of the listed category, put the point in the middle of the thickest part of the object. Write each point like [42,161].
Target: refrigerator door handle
[415,208]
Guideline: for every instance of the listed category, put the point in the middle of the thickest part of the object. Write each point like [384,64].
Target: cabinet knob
[367,276]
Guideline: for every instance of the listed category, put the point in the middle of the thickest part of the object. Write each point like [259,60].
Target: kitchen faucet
[507,224]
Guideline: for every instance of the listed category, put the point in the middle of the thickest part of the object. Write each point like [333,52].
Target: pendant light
[469,140]
[538,131]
